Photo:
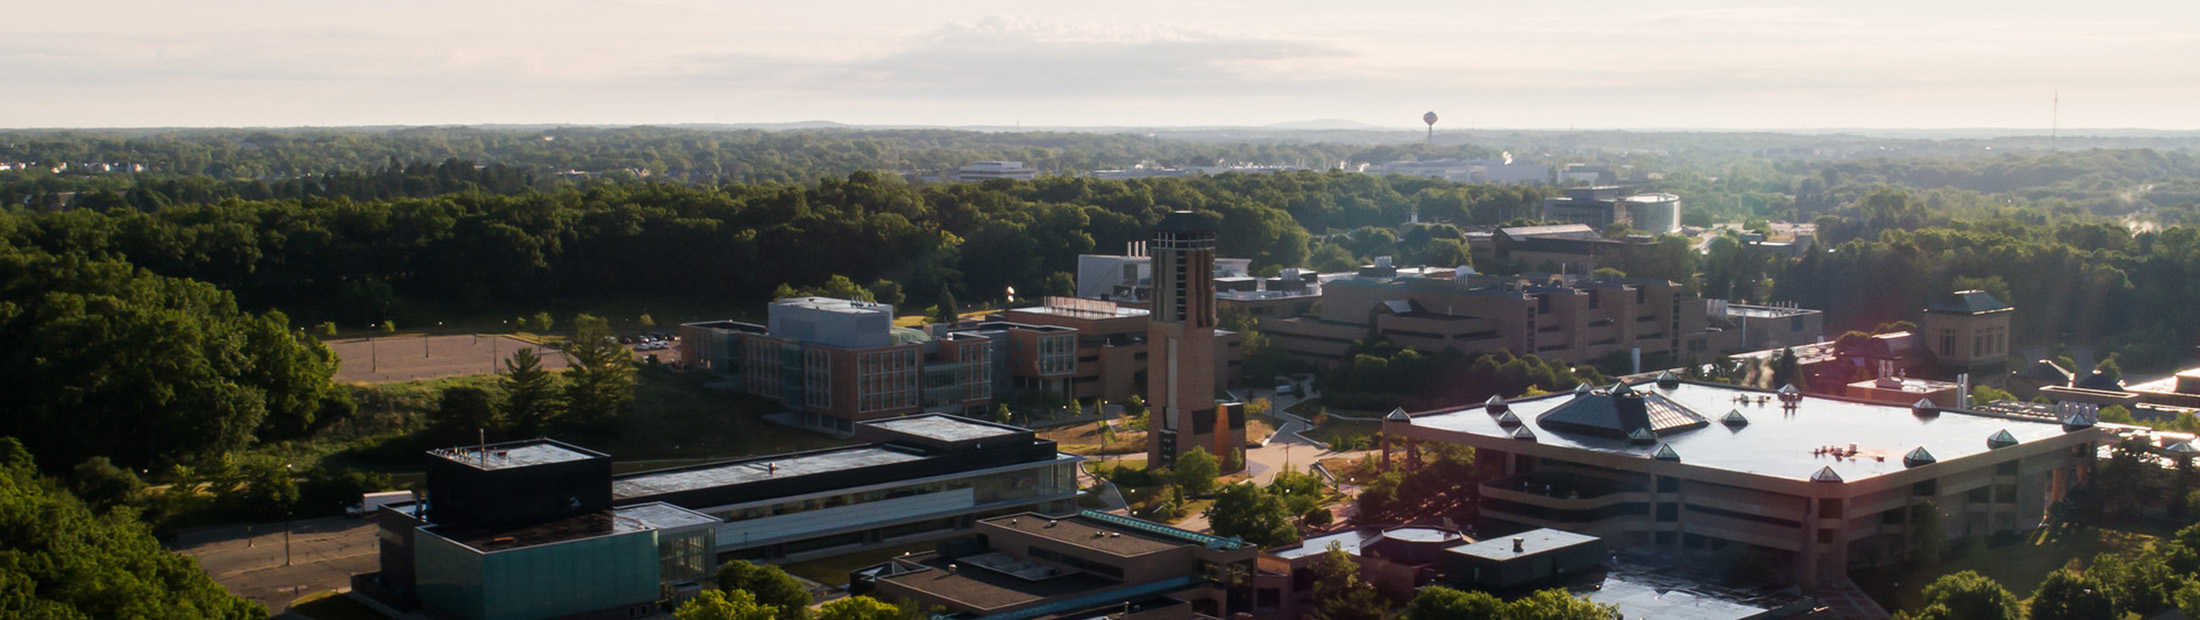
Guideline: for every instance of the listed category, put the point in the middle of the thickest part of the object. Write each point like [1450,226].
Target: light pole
[374,357]
[286,521]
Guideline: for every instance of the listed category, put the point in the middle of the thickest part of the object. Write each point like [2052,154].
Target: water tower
[1430,118]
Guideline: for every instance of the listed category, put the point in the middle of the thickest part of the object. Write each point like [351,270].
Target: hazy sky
[1514,64]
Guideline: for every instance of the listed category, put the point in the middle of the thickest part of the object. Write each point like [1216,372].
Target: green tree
[771,586]
[861,608]
[601,382]
[1001,413]
[945,310]
[886,291]
[2188,597]
[544,322]
[728,605]
[2138,583]
[1135,406]
[1556,604]
[1251,513]
[645,321]
[2116,413]
[388,327]
[462,412]
[1982,394]
[2067,595]
[530,393]
[102,485]
[1966,595]
[327,329]
[2110,368]
[1195,472]
[64,561]
[1441,603]
[1060,284]
[1339,593]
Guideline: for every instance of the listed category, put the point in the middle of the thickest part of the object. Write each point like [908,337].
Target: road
[248,559]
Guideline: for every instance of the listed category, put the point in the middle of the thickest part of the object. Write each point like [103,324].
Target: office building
[1808,486]
[977,171]
[1556,248]
[1601,206]
[1111,351]
[1082,565]
[835,362]
[1749,327]
[529,529]
[1128,278]
[1181,384]
[1574,318]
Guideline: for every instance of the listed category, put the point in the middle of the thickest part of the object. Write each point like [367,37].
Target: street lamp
[286,521]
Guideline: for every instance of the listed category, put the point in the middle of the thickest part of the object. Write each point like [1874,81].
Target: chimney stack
[1520,545]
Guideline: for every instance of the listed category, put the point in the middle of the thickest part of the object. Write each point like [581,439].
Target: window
[1947,342]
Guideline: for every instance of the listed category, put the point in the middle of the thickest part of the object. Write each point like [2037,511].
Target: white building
[986,170]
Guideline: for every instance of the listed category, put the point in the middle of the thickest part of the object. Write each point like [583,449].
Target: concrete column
[1384,466]
[1413,453]
[1806,558]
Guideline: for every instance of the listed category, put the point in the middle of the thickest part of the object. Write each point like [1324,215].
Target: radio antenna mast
[2054,118]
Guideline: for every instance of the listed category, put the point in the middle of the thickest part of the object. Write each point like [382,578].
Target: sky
[1678,64]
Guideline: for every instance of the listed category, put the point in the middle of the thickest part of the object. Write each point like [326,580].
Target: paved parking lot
[248,559]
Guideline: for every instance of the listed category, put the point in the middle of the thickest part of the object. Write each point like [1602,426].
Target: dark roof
[1967,302]
[1182,222]
[2100,381]
[1620,412]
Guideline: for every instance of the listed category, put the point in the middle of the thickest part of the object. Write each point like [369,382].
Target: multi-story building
[1967,331]
[1556,248]
[1028,358]
[529,529]
[541,529]
[1807,486]
[1128,278]
[835,362]
[919,477]
[1567,317]
[1748,327]
[1111,352]
[1181,386]
[988,170]
[1087,564]
[1601,206]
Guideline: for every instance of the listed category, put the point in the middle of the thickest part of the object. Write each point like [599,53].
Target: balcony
[1564,491]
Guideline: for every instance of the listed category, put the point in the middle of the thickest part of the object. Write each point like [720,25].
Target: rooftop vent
[1924,406]
[1620,389]
[1520,545]
[1734,418]
[2080,419]
[1582,390]
[1495,404]
[2182,449]
[1508,419]
[1397,414]
[1667,381]
[1642,436]
[1523,433]
[2001,439]
[1665,453]
[1917,457]
[1825,474]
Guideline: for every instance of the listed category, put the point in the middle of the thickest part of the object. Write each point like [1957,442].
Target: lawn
[2019,566]
[1085,439]
[332,605]
[833,571]
[1333,430]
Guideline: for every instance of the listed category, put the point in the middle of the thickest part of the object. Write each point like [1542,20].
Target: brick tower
[1180,347]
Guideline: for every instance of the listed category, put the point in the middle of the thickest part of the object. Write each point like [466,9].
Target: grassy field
[1085,439]
[2019,566]
[1332,430]
[331,605]
[833,571]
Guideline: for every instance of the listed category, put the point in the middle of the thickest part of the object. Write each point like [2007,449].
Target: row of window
[990,488]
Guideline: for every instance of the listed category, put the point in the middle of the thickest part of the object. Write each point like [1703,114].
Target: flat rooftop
[1776,443]
[1908,384]
[835,305]
[751,470]
[620,520]
[511,454]
[1766,312]
[1531,542]
[1088,534]
[944,428]
[1094,312]
[1349,540]
[988,590]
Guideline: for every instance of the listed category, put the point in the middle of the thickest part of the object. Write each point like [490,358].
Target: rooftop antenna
[2054,118]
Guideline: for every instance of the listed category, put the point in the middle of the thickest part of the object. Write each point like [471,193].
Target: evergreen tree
[946,311]
[530,393]
[601,382]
